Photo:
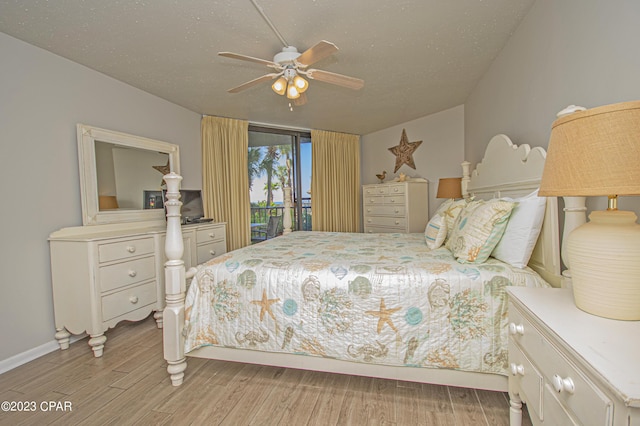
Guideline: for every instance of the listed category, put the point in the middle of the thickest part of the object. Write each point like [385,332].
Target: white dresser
[568,366]
[396,206]
[105,274]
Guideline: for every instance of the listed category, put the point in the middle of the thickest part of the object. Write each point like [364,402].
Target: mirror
[121,176]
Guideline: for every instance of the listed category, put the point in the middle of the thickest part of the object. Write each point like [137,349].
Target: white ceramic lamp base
[604,255]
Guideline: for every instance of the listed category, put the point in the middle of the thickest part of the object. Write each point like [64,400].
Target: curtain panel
[225,180]
[335,181]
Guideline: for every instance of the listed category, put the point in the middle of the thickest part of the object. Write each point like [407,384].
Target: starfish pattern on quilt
[384,316]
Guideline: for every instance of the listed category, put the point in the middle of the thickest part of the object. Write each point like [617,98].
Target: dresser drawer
[128,300]
[396,222]
[376,190]
[210,234]
[126,273]
[396,199]
[209,251]
[374,200]
[396,189]
[124,249]
[382,230]
[395,211]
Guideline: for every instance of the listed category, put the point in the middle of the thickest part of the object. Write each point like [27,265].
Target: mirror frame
[87,137]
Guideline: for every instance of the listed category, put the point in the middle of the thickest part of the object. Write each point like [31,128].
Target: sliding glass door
[278,158]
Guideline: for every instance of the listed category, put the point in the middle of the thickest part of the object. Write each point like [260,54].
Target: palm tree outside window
[270,150]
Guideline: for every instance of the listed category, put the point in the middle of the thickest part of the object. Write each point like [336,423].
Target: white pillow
[520,236]
[435,232]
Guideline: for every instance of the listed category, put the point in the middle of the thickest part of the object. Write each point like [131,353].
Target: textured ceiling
[417,57]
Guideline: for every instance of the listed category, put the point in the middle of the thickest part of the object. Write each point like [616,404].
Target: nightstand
[568,366]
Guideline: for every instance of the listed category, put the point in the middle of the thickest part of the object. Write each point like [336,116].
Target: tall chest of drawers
[396,206]
[571,367]
[102,275]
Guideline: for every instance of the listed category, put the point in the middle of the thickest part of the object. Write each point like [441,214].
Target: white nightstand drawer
[127,273]
[209,251]
[529,379]
[587,403]
[128,300]
[395,211]
[210,234]
[124,249]
[554,410]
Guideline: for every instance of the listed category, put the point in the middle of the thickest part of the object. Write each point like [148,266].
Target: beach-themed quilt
[372,298]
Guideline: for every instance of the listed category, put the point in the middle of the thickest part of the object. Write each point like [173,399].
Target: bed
[381,305]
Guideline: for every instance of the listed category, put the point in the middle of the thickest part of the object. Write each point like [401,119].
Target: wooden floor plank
[130,385]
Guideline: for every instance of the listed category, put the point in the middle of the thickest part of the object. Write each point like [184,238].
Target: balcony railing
[260,216]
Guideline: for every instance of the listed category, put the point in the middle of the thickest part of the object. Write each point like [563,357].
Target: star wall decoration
[165,170]
[404,152]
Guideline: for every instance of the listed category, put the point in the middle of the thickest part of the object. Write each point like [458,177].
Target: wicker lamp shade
[596,152]
[449,188]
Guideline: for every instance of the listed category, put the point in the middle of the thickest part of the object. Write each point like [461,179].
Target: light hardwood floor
[130,385]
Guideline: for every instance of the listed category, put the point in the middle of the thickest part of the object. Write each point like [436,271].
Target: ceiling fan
[290,67]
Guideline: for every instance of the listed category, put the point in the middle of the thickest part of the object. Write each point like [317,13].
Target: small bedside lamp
[449,188]
[596,152]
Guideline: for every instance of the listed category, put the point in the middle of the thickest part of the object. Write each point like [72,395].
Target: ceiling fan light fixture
[292,92]
[280,86]
[300,83]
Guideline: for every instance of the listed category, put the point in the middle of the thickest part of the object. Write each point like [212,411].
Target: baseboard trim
[31,354]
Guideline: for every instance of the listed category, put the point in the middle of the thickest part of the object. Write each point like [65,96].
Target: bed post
[286,220]
[174,273]
[466,177]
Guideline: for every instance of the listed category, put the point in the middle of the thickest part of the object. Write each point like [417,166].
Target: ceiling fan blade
[248,58]
[313,54]
[338,79]
[253,82]
[301,100]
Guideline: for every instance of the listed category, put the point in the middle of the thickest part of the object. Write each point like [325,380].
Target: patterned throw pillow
[478,229]
[451,213]
[436,231]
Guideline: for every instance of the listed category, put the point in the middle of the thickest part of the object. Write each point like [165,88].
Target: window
[270,150]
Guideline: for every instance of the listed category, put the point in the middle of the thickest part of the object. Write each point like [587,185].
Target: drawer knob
[212,235]
[212,252]
[516,329]
[131,249]
[563,385]
[395,189]
[396,211]
[397,222]
[132,274]
[517,369]
[133,299]
[368,220]
[393,200]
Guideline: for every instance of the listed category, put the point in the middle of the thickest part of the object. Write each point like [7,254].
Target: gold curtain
[225,179]
[335,181]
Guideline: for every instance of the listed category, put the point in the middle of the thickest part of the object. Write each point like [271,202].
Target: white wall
[439,155]
[582,52]
[42,97]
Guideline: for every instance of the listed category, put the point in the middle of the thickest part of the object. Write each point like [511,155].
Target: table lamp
[596,152]
[449,188]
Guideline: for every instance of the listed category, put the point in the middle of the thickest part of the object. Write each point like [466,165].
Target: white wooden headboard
[512,171]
